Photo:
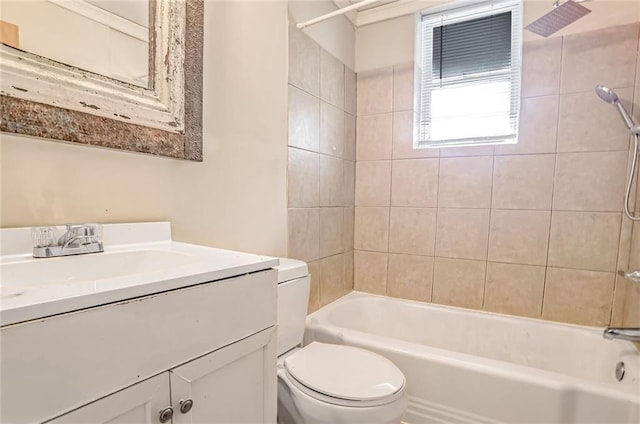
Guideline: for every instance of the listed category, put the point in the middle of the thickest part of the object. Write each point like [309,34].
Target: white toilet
[327,383]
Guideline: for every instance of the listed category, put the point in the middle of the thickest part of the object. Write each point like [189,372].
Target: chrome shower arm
[628,120]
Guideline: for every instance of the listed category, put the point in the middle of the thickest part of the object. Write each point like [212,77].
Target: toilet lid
[345,372]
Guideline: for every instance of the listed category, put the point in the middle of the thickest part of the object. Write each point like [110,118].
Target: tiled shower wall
[533,229]
[321,167]
[630,291]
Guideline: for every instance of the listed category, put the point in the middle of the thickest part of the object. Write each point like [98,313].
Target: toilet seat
[344,375]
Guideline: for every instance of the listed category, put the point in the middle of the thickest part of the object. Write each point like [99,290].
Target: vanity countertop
[138,260]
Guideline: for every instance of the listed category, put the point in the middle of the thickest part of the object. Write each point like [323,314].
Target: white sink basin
[139,259]
[91,267]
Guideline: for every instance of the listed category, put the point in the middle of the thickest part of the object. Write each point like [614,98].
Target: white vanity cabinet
[212,344]
[230,385]
[138,404]
[233,385]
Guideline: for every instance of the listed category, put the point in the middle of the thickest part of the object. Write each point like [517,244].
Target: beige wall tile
[579,297]
[465,182]
[304,118]
[632,307]
[523,182]
[331,181]
[370,272]
[348,272]
[349,91]
[414,182]
[636,97]
[599,57]
[412,231]
[625,244]
[349,188]
[620,298]
[584,240]
[458,282]
[314,289]
[332,82]
[541,62]
[303,178]
[403,135]
[332,130]
[373,183]
[375,91]
[410,277]
[331,231]
[373,137]
[519,237]
[348,229]
[450,152]
[634,253]
[304,61]
[462,233]
[304,234]
[331,279]
[593,181]
[403,93]
[586,123]
[371,229]
[349,137]
[538,128]
[514,289]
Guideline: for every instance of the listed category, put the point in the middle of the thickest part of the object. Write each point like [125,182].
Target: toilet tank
[293,298]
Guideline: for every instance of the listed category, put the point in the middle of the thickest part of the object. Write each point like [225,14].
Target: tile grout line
[486,265]
[386,286]
[620,242]
[553,185]
[600,271]
[435,236]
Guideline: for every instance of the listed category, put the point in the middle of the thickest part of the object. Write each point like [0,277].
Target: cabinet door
[137,404]
[235,384]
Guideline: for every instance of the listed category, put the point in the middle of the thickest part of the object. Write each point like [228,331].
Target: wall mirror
[123,74]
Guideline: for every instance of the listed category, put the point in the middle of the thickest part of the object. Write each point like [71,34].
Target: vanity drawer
[53,365]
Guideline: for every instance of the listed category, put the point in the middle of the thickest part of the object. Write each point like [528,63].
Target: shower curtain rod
[335,13]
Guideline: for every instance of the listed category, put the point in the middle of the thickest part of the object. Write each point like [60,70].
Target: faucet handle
[633,275]
[43,236]
[95,230]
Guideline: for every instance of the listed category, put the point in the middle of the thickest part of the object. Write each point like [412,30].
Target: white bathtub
[466,366]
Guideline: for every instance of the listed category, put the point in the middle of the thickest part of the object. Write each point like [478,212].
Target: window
[470,86]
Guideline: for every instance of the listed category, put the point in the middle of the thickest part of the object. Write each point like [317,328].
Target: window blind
[470,86]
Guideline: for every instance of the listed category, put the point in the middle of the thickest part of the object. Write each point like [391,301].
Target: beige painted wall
[235,199]
[336,35]
[390,42]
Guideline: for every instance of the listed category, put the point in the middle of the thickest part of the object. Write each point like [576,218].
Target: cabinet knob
[166,414]
[186,405]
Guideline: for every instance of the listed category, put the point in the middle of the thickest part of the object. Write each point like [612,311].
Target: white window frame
[460,11]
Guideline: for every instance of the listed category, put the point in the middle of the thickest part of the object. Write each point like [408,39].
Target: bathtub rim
[353,295]
[318,321]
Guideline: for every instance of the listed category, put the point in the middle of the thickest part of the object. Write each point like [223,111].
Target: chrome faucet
[77,240]
[629,334]
[633,275]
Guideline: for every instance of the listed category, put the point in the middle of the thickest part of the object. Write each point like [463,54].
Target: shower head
[606,94]
[609,96]
[561,16]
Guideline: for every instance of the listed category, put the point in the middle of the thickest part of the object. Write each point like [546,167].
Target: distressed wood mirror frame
[43,98]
